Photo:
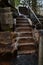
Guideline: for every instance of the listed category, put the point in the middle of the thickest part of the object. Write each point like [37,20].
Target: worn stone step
[28,40]
[26,35]
[24,28]
[22,20]
[23,25]
[20,17]
[23,37]
[26,52]
[26,47]
[20,30]
[23,44]
[23,32]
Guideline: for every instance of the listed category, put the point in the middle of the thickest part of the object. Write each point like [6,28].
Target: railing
[35,17]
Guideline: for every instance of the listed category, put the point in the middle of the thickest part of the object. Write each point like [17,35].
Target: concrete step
[26,40]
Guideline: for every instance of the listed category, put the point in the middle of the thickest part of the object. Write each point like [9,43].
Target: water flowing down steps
[25,40]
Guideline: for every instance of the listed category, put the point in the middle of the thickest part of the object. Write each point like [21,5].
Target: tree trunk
[41,51]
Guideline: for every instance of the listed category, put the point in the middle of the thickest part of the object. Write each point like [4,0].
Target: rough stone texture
[7,41]
[6,18]
[6,9]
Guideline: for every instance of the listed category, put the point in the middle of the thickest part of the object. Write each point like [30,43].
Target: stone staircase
[25,39]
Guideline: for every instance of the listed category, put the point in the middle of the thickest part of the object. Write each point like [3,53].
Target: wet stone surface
[31,59]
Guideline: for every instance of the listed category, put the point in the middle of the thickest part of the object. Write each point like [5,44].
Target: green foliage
[23,3]
[17,2]
[13,3]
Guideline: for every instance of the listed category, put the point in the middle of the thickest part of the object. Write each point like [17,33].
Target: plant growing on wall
[23,3]
[12,3]
[15,2]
